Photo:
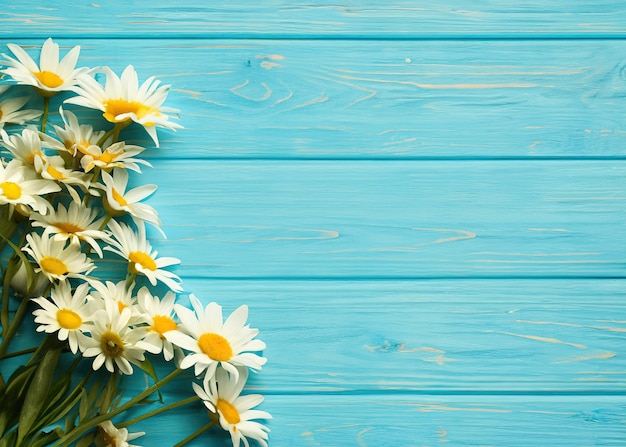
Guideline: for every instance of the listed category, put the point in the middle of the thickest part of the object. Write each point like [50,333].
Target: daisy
[141,258]
[76,223]
[66,313]
[113,343]
[25,147]
[120,294]
[50,76]
[53,168]
[116,155]
[55,260]
[10,112]
[119,201]
[19,185]
[123,101]
[74,137]
[108,435]
[213,342]
[222,396]
[159,315]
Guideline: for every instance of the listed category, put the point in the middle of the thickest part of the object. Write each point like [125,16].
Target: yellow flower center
[121,306]
[118,197]
[0,114]
[111,344]
[30,158]
[68,319]
[115,107]
[68,227]
[107,157]
[53,266]
[216,347]
[11,191]
[55,173]
[143,259]
[163,324]
[49,79]
[228,411]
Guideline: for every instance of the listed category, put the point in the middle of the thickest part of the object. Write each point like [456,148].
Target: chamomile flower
[53,168]
[108,435]
[117,155]
[10,110]
[119,201]
[123,101]
[212,342]
[235,413]
[120,294]
[66,313]
[56,260]
[113,343]
[19,185]
[75,223]
[141,258]
[75,137]
[159,316]
[48,78]
[25,147]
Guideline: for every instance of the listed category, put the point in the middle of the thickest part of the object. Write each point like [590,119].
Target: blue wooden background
[422,202]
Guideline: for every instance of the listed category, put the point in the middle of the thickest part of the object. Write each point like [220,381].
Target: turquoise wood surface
[423,204]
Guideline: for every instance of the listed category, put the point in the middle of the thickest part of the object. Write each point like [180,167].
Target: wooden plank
[416,421]
[433,336]
[383,219]
[302,19]
[376,99]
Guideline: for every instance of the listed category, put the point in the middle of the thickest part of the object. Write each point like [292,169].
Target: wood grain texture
[384,100]
[380,219]
[433,336]
[405,420]
[377,19]
[422,204]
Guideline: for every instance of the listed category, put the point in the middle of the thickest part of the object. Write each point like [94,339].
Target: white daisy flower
[117,155]
[25,147]
[119,201]
[19,185]
[222,396]
[120,295]
[213,342]
[113,343]
[55,260]
[108,435]
[123,101]
[75,137]
[50,76]
[53,168]
[10,110]
[76,223]
[66,313]
[142,259]
[159,316]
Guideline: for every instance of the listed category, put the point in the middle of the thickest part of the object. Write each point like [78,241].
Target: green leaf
[148,368]
[86,440]
[38,391]
[14,396]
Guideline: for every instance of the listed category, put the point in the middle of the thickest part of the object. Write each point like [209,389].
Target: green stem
[9,333]
[84,427]
[18,353]
[195,434]
[44,118]
[158,411]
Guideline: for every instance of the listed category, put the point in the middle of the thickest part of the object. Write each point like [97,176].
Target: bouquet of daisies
[77,267]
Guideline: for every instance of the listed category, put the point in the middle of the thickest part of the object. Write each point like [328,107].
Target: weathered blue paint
[421,202]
